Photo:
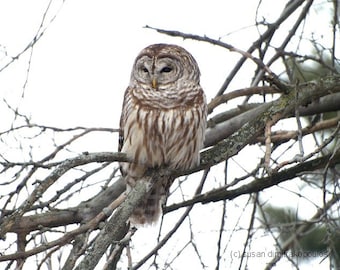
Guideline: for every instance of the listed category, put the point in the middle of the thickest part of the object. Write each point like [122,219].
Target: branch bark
[111,232]
[82,213]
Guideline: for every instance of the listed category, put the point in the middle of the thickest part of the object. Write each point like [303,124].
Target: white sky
[81,66]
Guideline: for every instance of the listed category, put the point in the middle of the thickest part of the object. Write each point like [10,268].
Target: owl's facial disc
[157,72]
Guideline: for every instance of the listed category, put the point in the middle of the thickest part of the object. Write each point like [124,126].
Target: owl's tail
[150,208]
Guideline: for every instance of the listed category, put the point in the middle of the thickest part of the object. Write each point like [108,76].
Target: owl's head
[162,66]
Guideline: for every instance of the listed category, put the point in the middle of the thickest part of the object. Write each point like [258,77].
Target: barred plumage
[163,121]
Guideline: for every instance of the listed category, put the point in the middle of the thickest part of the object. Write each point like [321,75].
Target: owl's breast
[172,137]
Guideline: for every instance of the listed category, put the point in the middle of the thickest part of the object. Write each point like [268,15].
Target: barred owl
[162,122]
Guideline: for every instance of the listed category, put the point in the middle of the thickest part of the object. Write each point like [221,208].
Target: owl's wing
[123,116]
[121,129]
[120,138]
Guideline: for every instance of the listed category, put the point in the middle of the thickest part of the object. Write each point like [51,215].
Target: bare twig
[239,93]
[223,218]
[249,230]
[39,33]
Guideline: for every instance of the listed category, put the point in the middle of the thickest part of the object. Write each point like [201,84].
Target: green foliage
[309,68]
[320,238]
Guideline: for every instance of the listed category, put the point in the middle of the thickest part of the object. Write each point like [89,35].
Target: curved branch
[281,108]
[260,90]
[280,137]
[259,184]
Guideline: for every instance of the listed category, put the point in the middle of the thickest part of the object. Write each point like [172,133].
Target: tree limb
[260,183]
[113,227]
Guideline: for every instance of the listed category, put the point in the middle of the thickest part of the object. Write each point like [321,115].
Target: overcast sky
[80,68]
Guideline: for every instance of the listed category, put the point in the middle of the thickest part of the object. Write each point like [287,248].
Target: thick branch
[69,236]
[112,229]
[261,183]
[224,128]
[79,214]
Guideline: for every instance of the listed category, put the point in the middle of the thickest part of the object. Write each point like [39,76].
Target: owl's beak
[154,83]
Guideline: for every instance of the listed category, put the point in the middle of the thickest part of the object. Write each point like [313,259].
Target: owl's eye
[166,70]
[145,70]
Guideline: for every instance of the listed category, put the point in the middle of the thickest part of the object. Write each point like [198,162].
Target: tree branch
[67,237]
[82,213]
[9,221]
[260,183]
[113,227]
